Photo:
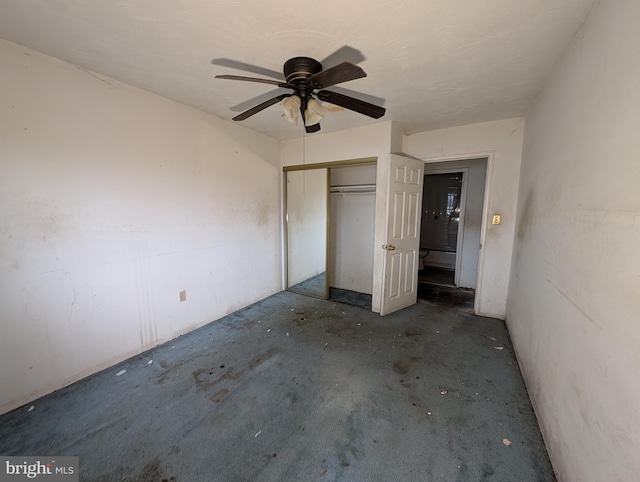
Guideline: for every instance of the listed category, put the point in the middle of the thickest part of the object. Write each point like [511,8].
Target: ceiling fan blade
[335,75]
[372,99]
[351,103]
[312,129]
[255,79]
[254,110]
[242,106]
[344,54]
[254,69]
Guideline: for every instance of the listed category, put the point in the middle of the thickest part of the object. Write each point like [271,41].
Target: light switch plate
[496,219]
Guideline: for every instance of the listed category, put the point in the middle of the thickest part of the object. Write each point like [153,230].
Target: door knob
[388,247]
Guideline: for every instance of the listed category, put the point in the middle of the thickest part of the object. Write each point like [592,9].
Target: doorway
[351,234]
[329,230]
[439,228]
[452,216]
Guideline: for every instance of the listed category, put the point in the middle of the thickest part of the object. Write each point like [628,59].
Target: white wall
[369,141]
[475,181]
[112,200]
[501,142]
[574,304]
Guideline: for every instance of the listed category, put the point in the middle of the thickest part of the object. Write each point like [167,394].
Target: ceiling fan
[305,77]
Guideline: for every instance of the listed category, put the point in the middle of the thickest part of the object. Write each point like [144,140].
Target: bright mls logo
[53,469]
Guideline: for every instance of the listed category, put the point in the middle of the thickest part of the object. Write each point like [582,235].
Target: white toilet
[423,253]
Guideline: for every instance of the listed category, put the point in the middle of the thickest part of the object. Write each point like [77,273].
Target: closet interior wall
[351,235]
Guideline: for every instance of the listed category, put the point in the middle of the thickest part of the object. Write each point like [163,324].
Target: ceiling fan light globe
[291,106]
[314,113]
[291,120]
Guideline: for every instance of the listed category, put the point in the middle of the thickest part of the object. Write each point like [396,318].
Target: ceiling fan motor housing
[298,69]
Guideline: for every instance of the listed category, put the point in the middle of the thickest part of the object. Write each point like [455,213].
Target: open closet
[330,219]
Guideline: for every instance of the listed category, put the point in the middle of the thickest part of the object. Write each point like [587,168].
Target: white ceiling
[438,63]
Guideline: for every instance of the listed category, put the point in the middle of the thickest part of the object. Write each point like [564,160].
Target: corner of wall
[397,137]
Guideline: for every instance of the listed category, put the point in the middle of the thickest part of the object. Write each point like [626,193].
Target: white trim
[467,156]
[488,185]
[461,220]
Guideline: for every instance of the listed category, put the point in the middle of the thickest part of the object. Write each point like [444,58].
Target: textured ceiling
[436,63]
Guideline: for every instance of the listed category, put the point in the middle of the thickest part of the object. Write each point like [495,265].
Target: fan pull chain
[304,161]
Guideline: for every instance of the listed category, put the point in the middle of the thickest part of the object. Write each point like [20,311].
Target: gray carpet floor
[294,388]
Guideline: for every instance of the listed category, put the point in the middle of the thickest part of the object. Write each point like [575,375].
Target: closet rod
[353,188]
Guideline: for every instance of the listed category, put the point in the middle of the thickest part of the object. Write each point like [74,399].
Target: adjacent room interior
[137,218]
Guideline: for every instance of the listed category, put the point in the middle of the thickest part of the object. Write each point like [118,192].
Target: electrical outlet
[183,296]
[496,219]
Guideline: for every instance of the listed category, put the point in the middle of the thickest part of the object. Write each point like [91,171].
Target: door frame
[463,207]
[285,217]
[488,191]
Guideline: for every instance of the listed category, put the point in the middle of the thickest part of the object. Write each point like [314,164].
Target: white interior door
[400,269]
